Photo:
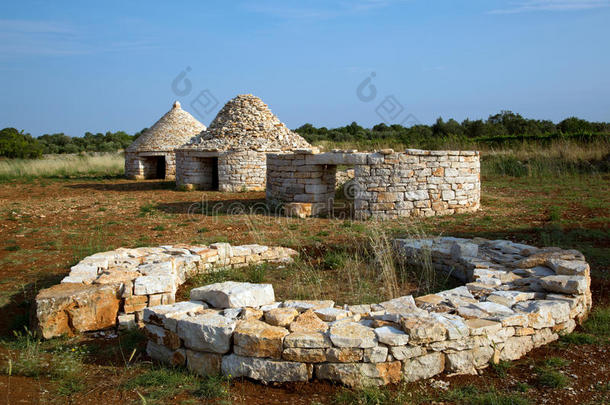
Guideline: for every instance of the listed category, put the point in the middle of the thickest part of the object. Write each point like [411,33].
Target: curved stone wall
[114,287]
[143,165]
[516,298]
[387,184]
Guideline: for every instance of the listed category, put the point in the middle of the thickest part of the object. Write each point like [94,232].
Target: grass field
[47,225]
[63,166]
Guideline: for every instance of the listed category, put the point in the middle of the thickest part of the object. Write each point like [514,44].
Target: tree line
[20,145]
[499,128]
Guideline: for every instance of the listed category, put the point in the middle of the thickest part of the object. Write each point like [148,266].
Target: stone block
[265,370]
[232,294]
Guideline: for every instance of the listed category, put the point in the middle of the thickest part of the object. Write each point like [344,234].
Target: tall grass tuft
[63,167]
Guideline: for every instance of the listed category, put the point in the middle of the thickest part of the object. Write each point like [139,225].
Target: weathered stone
[265,370]
[425,366]
[307,340]
[281,316]
[304,355]
[352,334]
[165,355]
[483,309]
[516,347]
[377,354]
[544,313]
[308,321]
[423,330]
[250,314]
[207,332]
[232,294]
[568,267]
[483,326]
[331,314]
[168,315]
[258,339]
[162,336]
[360,374]
[204,364]
[146,285]
[565,284]
[344,354]
[407,352]
[391,336]
[66,309]
[509,298]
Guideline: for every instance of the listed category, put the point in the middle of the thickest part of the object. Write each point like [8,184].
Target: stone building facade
[231,154]
[386,184]
[152,154]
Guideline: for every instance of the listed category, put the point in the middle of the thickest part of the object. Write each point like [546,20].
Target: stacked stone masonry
[114,287]
[386,184]
[228,171]
[517,297]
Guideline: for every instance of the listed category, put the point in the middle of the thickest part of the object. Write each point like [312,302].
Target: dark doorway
[160,171]
[215,173]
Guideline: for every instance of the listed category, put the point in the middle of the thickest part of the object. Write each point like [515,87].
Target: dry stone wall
[386,184]
[240,170]
[114,287]
[517,297]
[143,165]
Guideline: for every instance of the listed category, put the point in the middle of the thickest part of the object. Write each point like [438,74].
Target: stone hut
[152,155]
[231,155]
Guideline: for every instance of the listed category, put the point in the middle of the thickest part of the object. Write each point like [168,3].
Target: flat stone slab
[232,294]
[265,370]
[352,334]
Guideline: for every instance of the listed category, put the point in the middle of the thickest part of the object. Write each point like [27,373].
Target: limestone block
[331,314]
[360,374]
[168,315]
[307,340]
[352,334]
[308,321]
[565,284]
[165,355]
[71,308]
[162,336]
[425,366]
[146,285]
[304,305]
[207,332]
[344,355]
[377,354]
[232,294]
[304,355]
[265,370]
[258,339]
[544,313]
[203,364]
[391,336]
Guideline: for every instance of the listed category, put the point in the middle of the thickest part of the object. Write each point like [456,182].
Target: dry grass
[63,166]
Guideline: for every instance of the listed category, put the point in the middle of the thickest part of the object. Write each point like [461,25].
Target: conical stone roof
[245,122]
[173,130]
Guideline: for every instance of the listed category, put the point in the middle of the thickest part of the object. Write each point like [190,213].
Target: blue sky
[94,66]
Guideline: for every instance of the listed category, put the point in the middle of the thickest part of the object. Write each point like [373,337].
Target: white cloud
[551,5]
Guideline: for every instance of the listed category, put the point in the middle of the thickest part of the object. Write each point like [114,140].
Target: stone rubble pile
[246,122]
[114,287]
[517,297]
